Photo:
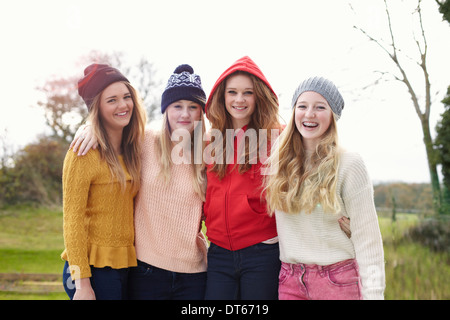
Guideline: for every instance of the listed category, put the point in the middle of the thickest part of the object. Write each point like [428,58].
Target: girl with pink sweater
[170,246]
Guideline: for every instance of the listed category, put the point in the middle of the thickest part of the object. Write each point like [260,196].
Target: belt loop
[322,270]
[291,267]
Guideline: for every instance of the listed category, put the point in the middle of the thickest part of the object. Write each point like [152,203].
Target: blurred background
[388,58]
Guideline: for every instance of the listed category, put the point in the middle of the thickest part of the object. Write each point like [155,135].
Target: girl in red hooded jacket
[243,258]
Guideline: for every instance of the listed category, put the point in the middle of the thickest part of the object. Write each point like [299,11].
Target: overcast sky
[289,39]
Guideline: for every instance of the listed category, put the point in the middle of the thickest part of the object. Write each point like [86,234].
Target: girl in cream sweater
[312,185]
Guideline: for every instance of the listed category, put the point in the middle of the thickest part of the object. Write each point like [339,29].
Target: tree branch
[394,57]
[423,64]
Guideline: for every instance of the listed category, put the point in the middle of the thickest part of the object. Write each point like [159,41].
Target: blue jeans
[107,283]
[147,282]
[247,274]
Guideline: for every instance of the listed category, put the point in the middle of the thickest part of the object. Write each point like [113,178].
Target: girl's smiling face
[240,99]
[116,106]
[312,117]
[182,114]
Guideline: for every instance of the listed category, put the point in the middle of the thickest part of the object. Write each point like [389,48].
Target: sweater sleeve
[76,184]
[357,194]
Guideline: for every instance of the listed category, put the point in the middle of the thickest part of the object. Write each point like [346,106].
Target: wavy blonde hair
[300,181]
[132,138]
[265,116]
[164,146]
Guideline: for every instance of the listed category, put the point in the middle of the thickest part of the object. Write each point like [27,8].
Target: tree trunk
[432,165]
[392,50]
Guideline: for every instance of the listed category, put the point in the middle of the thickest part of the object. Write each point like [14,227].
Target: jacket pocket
[257,204]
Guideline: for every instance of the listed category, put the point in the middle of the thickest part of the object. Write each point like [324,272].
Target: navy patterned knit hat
[183,84]
[324,87]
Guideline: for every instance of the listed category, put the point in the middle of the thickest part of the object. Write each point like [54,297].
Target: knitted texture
[183,84]
[168,216]
[324,87]
[98,216]
[316,238]
[96,78]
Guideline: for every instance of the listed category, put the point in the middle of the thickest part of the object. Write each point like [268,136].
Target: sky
[290,40]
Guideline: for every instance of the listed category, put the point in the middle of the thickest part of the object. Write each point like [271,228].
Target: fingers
[76,143]
[344,223]
[83,141]
[83,150]
[88,142]
[79,136]
[345,226]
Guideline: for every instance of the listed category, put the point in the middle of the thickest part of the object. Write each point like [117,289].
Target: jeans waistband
[315,267]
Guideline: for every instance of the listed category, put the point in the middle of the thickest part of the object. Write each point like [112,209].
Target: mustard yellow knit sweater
[98,216]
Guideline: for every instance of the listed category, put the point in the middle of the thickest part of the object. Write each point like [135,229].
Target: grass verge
[31,241]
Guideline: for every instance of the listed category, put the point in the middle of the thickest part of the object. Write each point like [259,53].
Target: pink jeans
[339,281]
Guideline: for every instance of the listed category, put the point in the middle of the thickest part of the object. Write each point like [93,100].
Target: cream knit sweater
[168,216]
[316,238]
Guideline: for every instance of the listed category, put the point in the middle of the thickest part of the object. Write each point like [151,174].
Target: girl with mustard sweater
[99,189]
[170,246]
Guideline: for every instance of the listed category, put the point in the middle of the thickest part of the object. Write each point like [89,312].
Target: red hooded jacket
[235,209]
[243,64]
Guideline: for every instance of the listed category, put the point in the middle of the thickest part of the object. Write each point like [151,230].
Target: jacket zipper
[226,214]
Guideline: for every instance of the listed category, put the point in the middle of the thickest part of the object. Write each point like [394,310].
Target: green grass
[28,228]
[33,296]
[30,261]
[413,271]
[31,241]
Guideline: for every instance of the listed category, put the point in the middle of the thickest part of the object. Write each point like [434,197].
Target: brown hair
[265,116]
[131,144]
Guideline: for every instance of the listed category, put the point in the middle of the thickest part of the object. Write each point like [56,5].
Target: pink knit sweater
[168,216]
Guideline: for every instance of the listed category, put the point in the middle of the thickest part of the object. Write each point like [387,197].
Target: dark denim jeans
[107,283]
[147,282]
[247,274]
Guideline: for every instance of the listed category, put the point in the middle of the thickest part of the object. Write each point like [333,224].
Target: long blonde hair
[265,116]
[164,146]
[300,181]
[131,144]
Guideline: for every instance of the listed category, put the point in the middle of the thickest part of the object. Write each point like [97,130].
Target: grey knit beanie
[324,87]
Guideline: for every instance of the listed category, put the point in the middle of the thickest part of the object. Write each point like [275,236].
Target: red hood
[243,64]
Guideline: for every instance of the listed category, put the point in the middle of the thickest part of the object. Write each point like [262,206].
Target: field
[31,242]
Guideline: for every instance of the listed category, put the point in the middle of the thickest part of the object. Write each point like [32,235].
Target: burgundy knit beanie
[96,78]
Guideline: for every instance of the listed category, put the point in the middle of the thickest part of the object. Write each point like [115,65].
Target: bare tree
[142,76]
[422,108]
[64,108]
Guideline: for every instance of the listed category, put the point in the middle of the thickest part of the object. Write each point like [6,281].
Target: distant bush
[35,175]
[433,233]
[408,197]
